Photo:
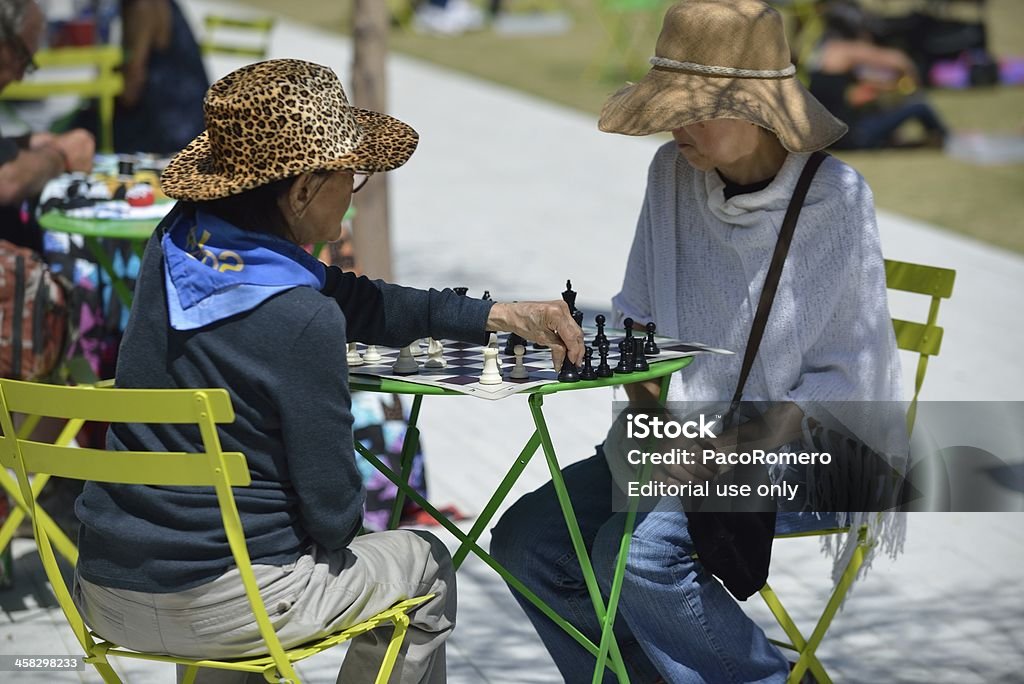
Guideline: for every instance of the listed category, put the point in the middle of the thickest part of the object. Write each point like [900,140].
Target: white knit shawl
[696,268]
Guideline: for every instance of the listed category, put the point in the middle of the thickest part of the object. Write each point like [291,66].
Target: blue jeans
[873,131]
[674,619]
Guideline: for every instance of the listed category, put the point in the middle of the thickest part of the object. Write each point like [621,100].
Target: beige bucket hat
[722,59]
[276,119]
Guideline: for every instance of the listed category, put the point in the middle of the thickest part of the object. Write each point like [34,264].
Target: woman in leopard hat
[228,298]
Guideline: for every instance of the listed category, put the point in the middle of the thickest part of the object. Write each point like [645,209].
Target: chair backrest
[242,37]
[208,467]
[95,77]
[923,338]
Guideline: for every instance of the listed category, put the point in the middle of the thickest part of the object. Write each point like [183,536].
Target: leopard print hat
[280,118]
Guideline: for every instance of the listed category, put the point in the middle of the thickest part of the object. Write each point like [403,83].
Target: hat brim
[193,174]
[666,99]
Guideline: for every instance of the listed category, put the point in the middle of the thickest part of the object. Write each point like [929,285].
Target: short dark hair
[257,210]
[12,16]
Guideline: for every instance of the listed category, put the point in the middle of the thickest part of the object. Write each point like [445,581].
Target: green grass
[575,69]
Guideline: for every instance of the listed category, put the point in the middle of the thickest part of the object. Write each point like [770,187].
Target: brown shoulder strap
[771,281]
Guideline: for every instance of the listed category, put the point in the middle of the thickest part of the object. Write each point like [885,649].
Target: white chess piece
[415,348]
[436,352]
[492,342]
[371,355]
[520,371]
[491,375]
[406,364]
[352,356]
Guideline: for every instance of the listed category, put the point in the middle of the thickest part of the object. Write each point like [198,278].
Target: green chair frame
[104,85]
[924,339]
[212,467]
[258,27]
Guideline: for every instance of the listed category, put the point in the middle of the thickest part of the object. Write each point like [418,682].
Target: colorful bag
[33,315]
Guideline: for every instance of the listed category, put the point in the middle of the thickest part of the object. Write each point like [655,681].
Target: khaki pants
[319,593]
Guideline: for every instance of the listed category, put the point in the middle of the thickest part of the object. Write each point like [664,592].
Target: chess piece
[577,316]
[491,375]
[628,323]
[486,296]
[520,372]
[600,337]
[568,372]
[461,291]
[569,296]
[650,346]
[492,342]
[511,342]
[371,355]
[625,364]
[435,352]
[639,358]
[588,372]
[406,364]
[352,355]
[603,369]
[416,347]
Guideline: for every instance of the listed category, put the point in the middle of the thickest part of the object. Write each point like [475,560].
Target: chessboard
[465,362]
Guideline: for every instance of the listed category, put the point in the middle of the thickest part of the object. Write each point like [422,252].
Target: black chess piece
[569,296]
[628,323]
[577,316]
[625,365]
[588,372]
[639,358]
[568,372]
[538,345]
[600,337]
[650,346]
[511,342]
[486,296]
[603,369]
[461,291]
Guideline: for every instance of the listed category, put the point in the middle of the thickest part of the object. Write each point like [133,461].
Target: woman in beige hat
[226,297]
[743,129]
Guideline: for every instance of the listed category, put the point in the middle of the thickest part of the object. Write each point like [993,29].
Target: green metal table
[94,231]
[607,650]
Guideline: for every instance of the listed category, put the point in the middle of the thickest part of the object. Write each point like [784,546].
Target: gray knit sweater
[283,363]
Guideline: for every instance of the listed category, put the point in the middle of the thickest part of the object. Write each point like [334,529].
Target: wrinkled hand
[78,147]
[546,322]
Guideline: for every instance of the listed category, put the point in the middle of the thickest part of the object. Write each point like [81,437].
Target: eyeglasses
[25,55]
[359,180]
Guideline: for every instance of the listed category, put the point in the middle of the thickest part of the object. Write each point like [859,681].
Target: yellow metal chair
[237,36]
[924,339]
[99,80]
[211,467]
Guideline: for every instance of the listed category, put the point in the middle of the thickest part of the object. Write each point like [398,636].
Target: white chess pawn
[406,364]
[371,355]
[435,350]
[415,348]
[520,371]
[491,375]
[352,356]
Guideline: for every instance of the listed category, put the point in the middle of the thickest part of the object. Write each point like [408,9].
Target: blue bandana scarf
[214,270]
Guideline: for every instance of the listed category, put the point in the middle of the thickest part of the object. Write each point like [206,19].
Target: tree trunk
[371,235]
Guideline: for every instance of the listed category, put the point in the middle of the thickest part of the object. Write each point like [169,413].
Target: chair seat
[260,663]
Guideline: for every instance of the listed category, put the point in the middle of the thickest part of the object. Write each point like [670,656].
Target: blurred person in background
[29,161]
[160,109]
[448,17]
[875,90]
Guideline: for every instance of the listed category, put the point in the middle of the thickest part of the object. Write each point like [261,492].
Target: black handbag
[737,547]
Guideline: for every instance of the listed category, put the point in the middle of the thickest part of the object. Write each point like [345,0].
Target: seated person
[227,297]
[875,90]
[28,162]
[743,129]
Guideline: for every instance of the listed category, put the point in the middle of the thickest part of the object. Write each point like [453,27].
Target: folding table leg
[610,646]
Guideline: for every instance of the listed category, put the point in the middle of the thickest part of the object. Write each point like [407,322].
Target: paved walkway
[513,194]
